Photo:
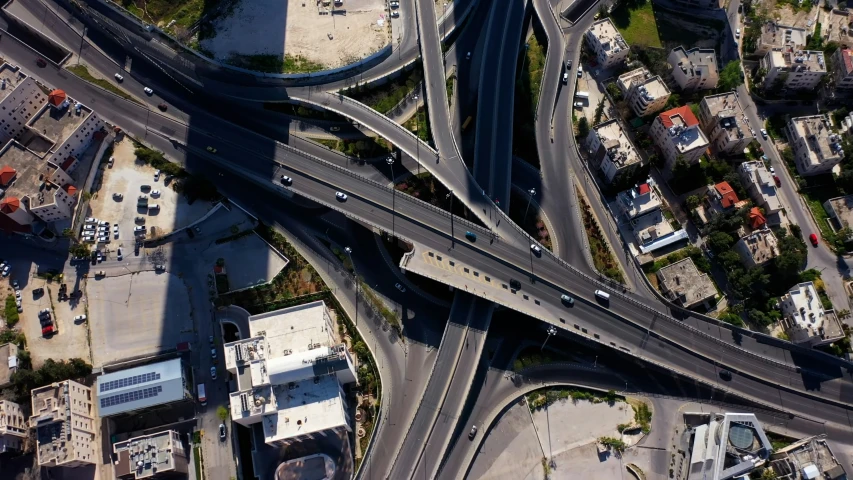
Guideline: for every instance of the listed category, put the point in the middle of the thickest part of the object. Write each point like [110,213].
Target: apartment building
[724,122]
[842,63]
[66,429]
[290,375]
[793,69]
[804,318]
[757,248]
[760,186]
[683,283]
[612,152]
[640,208]
[817,149]
[778,36]
[159,455]
[806,459]
[604,39]
[694,69]
[840,211]
[43,135]
[13,427]
[676,132]
[644,92]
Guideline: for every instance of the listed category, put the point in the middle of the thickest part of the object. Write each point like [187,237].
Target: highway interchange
[640,323]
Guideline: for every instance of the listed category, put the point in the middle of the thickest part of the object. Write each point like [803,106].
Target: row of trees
[26,380]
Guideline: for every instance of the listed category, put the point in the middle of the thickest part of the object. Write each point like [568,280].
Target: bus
[584,95]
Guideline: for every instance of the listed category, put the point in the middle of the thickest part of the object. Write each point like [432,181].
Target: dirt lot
[785,15]
[258,27]
[831,25]
[126,177]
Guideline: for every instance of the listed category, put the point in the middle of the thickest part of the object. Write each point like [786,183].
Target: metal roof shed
[140,387]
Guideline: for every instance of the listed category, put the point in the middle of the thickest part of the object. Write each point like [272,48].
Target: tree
[583,128]
[599,112]
[222,413]
[730,76]
[79,250]
[792,256]
[692,201]
[768,474]
[720,242]
[68,233]
[614,91]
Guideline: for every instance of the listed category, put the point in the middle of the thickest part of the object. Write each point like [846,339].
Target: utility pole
[82,37]
[355,279]
[450,196]
[390,161]
[530,193]
[552,330]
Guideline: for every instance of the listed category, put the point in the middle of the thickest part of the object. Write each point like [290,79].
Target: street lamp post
[531,193]
[552,330]
[526,46]
[450,196]
[354,279]
[390,161]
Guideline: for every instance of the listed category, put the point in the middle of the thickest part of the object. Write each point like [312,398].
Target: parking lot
[138,314]
[249,261]
[126,177]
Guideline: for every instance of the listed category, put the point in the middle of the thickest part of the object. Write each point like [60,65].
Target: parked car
[395,13]
[38,291]
[813,239]
[41,63]
[222,431]
[6,270]
[155,193]
[156,175]
[400,287]
[118,252]
[772,170]
[80,319]
[579,104]
[139,219]
[148,91]
[580,72]
[213,373]
[118,196]
[163,107]
[91,220]
[395,4]
[119,78]
[763,133]
[778,181]
[213,353]
[341,196]
[140,228]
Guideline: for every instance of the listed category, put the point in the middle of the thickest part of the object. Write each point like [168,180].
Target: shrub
[11,311]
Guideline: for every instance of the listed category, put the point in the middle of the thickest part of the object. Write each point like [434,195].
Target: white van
[153,206]
[602,295]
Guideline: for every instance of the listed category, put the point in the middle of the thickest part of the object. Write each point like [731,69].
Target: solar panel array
[132,396]
[129,381]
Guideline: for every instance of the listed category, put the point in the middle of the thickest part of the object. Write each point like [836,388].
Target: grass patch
[426,188]
[635,20]
[779,441]
[386,96]
[527,86]
[602,257]
[275,63]
[10,312]
[532,356]
[369,147]
[387,314]
[542,398]
[419,125]
[642,415]
[197,461]
[83,72]
[449,85]
[184,12]
[529,219]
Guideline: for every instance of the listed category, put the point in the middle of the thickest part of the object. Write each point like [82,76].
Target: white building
[777,36]
[840,210]
[13,427]
[725,446]
[607,43]
[290,375]
[65,424]
[645,93]
[793,69]
[804,318]
[725,123]
[156,455]
[611,151]
[676,132]
[760,186]
[817,149]
[137,388]
[842,63]
[757,248]
[641,209]
[694,69]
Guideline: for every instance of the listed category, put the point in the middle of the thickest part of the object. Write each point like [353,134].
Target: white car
[395,13]
[579,104]
[88,227]
[148,91]
[566,78]
[104,239]
[17,294]
[580,71]
[341,196]
[6,270]
[88,238]
[103,223]
[213,353]
[138,229]
[115,228]
[119,78]
[155,193]
[535,248]
[395,4]
[118,252]
[156,175]
[80,318]
[737,33]
[772,170]
[91,220]
[764,133]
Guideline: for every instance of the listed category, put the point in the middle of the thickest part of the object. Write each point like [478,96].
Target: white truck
[202,397]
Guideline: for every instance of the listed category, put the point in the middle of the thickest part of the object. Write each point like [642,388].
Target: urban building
[65,424]
[13,427]
[677,134]
[805,320]
[142,387]
[606,42]
[644,92]
[156,456]
[760,186]
[8,363]
[842,63]
[694,69]
[641,209]
[724,122]
[775,36]
[612,152]
[43,134]
[817,149]
[318,466]
[757,248]
[840,211]
[793,69]
[718,199]
[290,374]
[806,459]
[725,446]
[682,283]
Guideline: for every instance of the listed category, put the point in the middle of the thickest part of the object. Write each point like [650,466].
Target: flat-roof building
[155,456]
[777,36]
[141,387]
[676,132]
[13,427]
[641,209]
[683,283]
[840,211]
[760,186]
[612,152]
[793,69]
[8,363]
[65,424]
[316,467]
[842,65]
[644,92]
[817,149]
[725,446]
[804,318]
[725,123]
[807,459]
[694,69]
[607,43]
[290,374]
[638,201]
[757,248]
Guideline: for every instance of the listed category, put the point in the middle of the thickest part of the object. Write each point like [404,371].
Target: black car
[514,284]
[726,375]
[222,431]
[38,291]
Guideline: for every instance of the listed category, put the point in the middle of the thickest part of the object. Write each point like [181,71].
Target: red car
[778,182]
[813,239]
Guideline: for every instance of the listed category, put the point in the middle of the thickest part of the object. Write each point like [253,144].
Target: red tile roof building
[842,62]
[677,134]
[728,197]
